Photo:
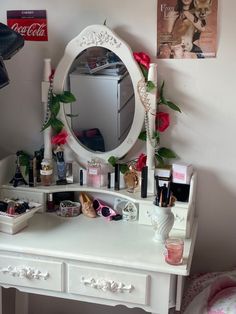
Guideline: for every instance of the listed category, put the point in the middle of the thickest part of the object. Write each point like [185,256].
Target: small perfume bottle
[50,203]
[94,173]
[46,173]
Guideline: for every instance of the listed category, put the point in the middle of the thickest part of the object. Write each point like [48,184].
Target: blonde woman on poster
[181,29]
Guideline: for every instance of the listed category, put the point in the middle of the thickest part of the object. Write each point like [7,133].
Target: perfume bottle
[46,173]
[50,203]
[94,173]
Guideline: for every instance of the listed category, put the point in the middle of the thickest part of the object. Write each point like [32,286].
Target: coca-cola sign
[31,24]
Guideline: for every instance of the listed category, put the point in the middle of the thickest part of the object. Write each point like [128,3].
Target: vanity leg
[179,292]
[21,302]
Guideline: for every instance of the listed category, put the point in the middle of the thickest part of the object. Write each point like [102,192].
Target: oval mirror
[99,69]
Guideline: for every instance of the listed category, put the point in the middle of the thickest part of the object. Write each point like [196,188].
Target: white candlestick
[150,144]
[152,76]
[45,88]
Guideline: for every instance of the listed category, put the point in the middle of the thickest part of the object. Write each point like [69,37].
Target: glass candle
[174,251]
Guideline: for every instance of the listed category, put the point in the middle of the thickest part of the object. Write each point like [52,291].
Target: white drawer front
[108,284]
[33,273]
[125,91]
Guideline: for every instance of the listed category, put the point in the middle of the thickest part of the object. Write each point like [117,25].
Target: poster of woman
[186,29]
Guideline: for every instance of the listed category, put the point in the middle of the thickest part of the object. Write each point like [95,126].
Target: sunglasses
[103,210]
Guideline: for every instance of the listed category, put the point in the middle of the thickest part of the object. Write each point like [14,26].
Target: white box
[182,172]
[13,224]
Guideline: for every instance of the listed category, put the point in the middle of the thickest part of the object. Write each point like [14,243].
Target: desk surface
[117,243]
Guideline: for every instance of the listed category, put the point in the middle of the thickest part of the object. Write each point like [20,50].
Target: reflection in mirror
[103,113]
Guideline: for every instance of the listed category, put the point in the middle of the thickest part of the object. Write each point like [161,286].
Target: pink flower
[60,138]
[141,162]
[162,121]
[142,58]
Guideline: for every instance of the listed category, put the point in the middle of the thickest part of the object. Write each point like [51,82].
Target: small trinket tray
[13,223]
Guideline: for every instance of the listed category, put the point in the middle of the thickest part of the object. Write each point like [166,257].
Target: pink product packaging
[182,172]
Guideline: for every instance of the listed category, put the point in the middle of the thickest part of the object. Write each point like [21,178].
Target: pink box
[182,172]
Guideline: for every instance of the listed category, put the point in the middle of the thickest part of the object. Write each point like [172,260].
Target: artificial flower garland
[162,118]
[162,121]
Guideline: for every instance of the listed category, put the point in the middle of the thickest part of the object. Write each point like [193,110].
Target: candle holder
[174,251]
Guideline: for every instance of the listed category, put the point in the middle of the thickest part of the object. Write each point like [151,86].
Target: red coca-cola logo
[31,27]
[35,29]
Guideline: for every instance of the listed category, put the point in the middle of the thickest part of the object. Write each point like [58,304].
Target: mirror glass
[102,115]
[99,69]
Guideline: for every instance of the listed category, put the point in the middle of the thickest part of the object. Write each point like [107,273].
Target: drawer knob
[107,285]
[24,272]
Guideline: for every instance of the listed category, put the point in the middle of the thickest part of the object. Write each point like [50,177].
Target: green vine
[54,107]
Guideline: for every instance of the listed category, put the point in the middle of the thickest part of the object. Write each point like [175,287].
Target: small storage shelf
[184,212]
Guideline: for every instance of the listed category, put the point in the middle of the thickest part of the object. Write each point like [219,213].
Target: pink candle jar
[174,251]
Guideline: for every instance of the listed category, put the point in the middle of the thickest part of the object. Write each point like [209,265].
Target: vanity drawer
[33,273]
[124,121]
[108,284]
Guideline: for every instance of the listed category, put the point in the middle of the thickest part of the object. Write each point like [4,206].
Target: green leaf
[66,97]
[144,71]
[57,125]
[172,106]
[55,106]
[112,160]
[123,168]
[160,160]
[24,161]
[142,136]
[162,89]
[162,101]
[48,124]
[166,153]
[150,86]
[156,136]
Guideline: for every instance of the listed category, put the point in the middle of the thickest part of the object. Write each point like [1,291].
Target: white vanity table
[72,258]
[91,259]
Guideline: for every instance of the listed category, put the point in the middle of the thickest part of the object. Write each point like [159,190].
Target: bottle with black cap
[144,181]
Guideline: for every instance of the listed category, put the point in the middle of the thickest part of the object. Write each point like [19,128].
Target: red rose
[141,162]
[142,58]
[162,121]
[60,138]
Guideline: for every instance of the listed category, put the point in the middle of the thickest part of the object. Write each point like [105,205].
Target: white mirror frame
[100,36]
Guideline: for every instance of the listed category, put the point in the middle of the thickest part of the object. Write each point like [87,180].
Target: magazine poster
[186,29]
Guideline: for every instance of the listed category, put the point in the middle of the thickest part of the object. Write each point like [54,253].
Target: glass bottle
[50,203]
[46,173]
[94,173]
[132,179]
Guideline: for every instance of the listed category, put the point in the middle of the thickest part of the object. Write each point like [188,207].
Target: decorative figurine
[18,177]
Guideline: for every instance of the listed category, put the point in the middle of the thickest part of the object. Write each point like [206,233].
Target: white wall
[203,134]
